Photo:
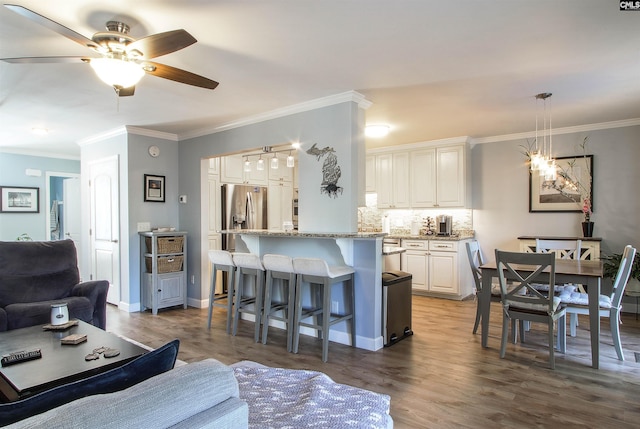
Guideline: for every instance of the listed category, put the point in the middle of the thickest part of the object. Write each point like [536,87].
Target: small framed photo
[15,199]
[154,188]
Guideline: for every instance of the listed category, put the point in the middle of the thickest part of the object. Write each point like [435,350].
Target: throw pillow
[146,366]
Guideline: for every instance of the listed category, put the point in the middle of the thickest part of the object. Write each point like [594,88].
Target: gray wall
[12,173]
[501,191]
[339,126]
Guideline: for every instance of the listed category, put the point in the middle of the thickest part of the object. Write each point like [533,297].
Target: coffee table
[60,364]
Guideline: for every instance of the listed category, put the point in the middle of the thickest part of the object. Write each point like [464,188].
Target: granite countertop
[462,235]
[299,234]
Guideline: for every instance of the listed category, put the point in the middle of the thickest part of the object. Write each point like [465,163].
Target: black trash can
[396,306]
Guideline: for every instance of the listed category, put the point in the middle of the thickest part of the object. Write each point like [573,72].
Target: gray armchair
[36,274]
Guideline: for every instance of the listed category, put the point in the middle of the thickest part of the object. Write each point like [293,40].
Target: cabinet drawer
[416,244]
[444,246]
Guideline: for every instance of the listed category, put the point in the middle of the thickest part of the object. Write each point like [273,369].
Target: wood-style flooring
[440,377]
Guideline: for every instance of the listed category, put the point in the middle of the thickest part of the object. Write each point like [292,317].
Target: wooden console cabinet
[163,269]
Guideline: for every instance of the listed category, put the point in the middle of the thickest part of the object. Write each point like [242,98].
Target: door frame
[47,196]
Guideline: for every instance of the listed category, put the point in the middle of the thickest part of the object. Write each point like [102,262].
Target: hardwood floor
[440,377]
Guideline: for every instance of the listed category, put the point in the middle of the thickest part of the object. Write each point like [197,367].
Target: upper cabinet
[426,176]
[232,171]
[282,173]
[392,180]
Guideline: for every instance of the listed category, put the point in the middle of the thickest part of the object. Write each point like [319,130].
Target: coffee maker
[443,225]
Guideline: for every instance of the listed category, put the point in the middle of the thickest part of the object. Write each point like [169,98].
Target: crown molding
[126,130]
[566,130]
[349,96]
[420,145]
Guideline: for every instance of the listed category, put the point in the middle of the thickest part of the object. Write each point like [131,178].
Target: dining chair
[563,249]
[524,302]
[610,305]
[476,259]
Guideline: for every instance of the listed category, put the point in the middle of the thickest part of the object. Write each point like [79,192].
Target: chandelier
[542,161]
[274,163]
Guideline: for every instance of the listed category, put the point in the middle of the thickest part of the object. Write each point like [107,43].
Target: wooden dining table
[587,273]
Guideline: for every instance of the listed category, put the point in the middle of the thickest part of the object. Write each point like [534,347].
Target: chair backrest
[281,263]
[474,252]
[311,266]
[563,249]
[527,271]
[221,257]
[247,260]
[622,277]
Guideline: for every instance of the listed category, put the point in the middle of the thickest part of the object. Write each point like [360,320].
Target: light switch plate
[144,226]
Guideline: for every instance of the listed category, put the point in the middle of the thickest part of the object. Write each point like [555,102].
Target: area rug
[288,398]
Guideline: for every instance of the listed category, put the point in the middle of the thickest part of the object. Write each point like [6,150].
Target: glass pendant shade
[247,165]
[115,72]
[290,161]
[260,164]
[274,162]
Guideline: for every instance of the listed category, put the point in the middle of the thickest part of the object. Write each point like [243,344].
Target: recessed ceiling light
[40,131]
[376,130]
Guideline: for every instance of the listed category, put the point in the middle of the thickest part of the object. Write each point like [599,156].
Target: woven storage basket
[166,264]
[166,244]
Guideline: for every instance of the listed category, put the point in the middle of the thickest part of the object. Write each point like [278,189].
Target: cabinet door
[384,185]
[401,182]
[214,166]
[282,173]
[370,174]
[231,169]
[171,289]
[280,206]
[443,271]
[257,177]
[451,177]
[415,262]
[423,178]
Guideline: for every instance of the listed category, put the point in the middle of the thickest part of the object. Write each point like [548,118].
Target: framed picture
[566,193]
[154,188]
[16,199]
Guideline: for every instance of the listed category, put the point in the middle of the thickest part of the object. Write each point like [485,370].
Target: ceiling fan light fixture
[117,72]
[379,130]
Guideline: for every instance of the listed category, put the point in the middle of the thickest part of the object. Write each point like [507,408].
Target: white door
[105,225]
[71,214]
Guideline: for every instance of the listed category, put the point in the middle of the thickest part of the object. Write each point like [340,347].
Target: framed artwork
[565,193]
[154,188]
[16,199]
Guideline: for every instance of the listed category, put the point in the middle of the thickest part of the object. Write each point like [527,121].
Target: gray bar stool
[317,272]
[248,264]
[221,260]
[279,267]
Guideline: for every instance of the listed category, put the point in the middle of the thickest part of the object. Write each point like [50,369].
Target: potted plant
[612,264]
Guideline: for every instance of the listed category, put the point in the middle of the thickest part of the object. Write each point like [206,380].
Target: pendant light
[290,161]
[274,162]
[542,160]
[260,164]
[247,164]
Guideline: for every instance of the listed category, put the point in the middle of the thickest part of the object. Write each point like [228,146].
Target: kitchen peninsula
[363,251]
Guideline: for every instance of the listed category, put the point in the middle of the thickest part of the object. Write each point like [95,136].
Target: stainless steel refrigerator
[243,207]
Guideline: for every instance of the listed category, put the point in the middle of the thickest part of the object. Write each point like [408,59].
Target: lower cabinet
[438,268]
[169,290]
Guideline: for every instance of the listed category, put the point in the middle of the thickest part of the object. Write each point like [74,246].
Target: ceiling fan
[123,60]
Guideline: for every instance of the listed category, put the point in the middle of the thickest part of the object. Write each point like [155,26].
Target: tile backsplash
[370,218]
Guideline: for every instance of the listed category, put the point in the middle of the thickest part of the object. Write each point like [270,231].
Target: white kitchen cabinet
[438,177]
[214,167]
[282,173]
[392,180]
[232,171]
[279,204]
[370,173]
[439,268]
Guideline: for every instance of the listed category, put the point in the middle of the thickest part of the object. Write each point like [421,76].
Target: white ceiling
[432,69]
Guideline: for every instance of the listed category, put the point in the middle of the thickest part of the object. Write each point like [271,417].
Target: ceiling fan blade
[124,92]
[162,43]
[52,25]
[178,75]
[45,60]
